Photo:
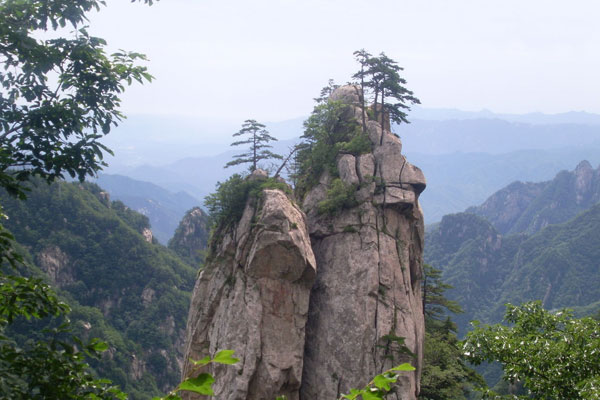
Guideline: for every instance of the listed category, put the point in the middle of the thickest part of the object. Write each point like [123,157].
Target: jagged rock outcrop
[252,297]
[56,264]
[369,258]
[191,236]
[316,304]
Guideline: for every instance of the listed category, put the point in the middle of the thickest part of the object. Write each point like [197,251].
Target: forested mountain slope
[529,207]
[558,265]
[123,286]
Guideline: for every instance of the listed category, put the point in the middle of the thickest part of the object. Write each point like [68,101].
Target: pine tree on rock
[381,75]
[258,138]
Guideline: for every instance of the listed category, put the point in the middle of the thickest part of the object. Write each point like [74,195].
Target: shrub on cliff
[327,132]
[226,205]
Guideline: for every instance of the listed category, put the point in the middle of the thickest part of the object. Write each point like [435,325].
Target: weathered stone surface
[365,166]
[369,275]
[349,94]
[584,177]
[147,234]
[253,297]
[57,265]
[346,165]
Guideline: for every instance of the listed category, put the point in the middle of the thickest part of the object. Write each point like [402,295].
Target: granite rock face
[316,304]
[252,297]
[367,293]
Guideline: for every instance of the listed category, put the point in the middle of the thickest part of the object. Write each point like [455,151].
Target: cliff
[252,297]
[367,294]
[318,300]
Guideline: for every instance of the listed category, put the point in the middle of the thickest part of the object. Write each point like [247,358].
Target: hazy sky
[267,59]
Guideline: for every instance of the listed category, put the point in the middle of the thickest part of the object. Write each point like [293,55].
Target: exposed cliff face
[56,264]
[369,271]
[252,297]
[365,312]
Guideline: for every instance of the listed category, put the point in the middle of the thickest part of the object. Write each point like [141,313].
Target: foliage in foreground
[59,97]
[554,355]
[201,382]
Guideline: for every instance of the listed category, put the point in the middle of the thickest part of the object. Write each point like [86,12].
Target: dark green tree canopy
[258,138]
[446,375]
[58,96]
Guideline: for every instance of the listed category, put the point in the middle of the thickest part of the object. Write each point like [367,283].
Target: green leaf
[204,361]
[354,393]
[383,382]
[225,357]
[100,346]
[371,395]
[403,367]
[201,384]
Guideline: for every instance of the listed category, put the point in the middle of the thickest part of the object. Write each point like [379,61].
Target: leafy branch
[380,385]
[202,383]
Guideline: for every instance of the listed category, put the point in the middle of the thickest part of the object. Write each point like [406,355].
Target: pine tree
[445,374]
[381,76]
[362,57]
[258,138]
[326,92]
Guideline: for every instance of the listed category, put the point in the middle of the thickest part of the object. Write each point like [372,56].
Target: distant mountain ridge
[570,117]
[163,208]
[558,265]
[528,241]
[465,156]
[529,207]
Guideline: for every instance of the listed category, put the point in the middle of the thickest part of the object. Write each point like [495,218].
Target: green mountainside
[123,287]
[558,265]
[529,207]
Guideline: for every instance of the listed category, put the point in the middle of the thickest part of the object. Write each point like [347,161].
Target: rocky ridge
[315,304]
[529,207]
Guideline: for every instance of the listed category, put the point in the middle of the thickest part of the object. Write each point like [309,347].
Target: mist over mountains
[466,156]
